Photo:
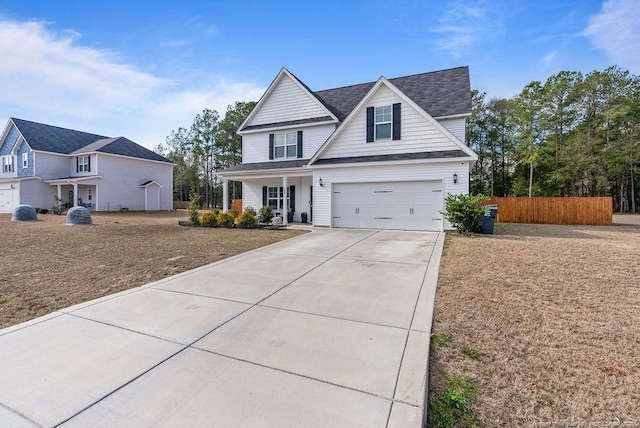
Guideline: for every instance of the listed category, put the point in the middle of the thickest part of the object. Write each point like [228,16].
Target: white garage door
[8,197]
[413,205]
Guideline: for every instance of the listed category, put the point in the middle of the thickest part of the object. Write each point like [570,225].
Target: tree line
[199,151]
[572,135]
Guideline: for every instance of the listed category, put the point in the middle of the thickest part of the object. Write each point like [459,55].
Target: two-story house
[375,155]
[41,161]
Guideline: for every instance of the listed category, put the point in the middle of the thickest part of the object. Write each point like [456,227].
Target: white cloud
[463,24]
[52,78]
[616,30]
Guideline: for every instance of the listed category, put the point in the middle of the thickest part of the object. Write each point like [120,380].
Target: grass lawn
[45,265]
[541,324]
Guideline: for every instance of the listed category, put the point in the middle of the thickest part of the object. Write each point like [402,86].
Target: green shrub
[247,218]
[233,211]
[266,214]
[464,212]
[194,217]
[226,219]
[42,211]
[210,218]
[251,210]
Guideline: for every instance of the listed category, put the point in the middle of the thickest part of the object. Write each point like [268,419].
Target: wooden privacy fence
[556,210]
[180,205]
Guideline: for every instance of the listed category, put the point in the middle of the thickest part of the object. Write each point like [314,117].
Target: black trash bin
[290,216]
[487,225]
[303,217]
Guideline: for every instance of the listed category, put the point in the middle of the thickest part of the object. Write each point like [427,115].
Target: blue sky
[142,68]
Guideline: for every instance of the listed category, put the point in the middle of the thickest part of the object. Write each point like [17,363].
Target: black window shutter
[299,144]
[88,163]
[292,197]
[396,121]
[264,196]
[271,143]
[77,164]
[370,125]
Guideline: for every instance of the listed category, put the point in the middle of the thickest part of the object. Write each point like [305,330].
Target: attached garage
[410,205]
[9,197]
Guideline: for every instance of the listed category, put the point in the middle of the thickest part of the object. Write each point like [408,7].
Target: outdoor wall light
[320,182]
[455,178]
[13,187]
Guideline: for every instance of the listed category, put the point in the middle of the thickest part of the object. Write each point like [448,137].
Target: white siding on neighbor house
[455,126]
[119,186]
[252,193]
[49,165]
[417,133]
[37,194]
[385,173]
[288,101]
[255,147]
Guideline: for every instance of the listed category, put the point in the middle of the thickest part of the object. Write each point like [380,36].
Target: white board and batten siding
[417,134]
[441,172]
[255,147]
[287,101]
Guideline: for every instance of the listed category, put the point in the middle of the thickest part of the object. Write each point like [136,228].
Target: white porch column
[75,194]
[285,201]
[225,196]
[59,186]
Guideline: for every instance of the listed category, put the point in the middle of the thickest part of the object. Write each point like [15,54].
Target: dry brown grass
[554,312]
[45,265]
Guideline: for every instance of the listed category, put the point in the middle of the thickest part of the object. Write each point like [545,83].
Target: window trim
[25,160]
[388,123]
[90,195]
[7,164]
[285,144]
[84,164]
[279,198]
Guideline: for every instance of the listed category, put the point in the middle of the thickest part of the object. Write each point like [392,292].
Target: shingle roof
[289,123]
[54,139]
[48,138]
[439,93]
[261,166]
[445,154]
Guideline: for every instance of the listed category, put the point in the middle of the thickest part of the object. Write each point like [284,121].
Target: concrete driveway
[329,329]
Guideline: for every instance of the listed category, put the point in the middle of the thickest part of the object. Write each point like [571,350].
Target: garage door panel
[392,205]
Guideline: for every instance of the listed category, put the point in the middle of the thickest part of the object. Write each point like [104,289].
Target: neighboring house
[379,155]
[103,174]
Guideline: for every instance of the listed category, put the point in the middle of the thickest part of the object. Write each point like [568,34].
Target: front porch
[73,192]
[267,188]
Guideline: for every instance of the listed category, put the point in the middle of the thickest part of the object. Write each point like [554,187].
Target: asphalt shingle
[48,138]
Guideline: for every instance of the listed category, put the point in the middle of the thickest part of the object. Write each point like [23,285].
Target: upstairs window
[25,160]
[7,164]
[285,145]
[83,164]
[383,123]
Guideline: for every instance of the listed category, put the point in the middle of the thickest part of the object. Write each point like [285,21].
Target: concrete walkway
[329,329]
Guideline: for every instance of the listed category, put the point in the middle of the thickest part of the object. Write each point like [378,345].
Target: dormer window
[83,164]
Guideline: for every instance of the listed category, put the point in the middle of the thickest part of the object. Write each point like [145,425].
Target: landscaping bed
[45,265]
[538,325]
